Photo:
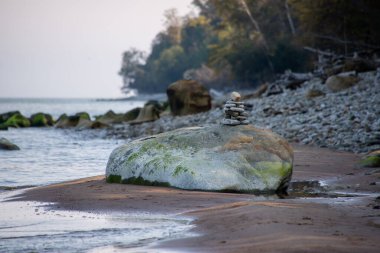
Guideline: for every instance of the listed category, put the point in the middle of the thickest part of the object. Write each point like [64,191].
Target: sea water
[70,106]
[33,227]
[49,155]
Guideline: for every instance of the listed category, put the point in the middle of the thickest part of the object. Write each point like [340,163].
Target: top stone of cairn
[235,96]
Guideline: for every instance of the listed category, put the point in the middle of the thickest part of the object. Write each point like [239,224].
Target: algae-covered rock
[16,120]
[216,158]
[7,145]
[5,116]
[83,115]
[371,160]
[41,120]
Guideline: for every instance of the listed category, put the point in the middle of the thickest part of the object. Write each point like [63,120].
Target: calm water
[50,155]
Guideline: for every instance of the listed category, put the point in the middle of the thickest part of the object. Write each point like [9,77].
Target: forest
[243,43]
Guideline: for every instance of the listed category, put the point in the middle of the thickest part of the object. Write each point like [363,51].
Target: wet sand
[230,222]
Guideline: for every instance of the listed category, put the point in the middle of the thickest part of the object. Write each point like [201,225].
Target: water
[58,106]
[50,155]
[32,227]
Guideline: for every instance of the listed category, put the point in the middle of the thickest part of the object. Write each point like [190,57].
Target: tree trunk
[257,27]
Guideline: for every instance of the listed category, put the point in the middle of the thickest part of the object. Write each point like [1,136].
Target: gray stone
[236,109]
[215,158]
[5,144]
[230,122]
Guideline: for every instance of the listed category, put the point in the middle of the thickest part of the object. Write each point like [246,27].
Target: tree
[131,67]
[339,25]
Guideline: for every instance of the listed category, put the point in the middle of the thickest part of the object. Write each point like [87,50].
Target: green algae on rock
[17,120]
[371,160]
[214,158]
[41,120]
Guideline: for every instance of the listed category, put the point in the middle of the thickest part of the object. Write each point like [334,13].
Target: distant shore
[339,211]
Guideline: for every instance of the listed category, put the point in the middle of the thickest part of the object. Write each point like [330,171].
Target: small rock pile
[234,111]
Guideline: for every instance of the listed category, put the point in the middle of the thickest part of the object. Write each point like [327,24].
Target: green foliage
[339,25]
[250,41]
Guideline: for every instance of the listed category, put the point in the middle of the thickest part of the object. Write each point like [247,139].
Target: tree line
[242,43]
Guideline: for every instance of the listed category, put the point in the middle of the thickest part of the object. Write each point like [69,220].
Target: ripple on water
[33,227]
[50,155]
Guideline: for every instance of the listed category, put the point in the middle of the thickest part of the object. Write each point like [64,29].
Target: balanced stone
[237,109]
[232,122]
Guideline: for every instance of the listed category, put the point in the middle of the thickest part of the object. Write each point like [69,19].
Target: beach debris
[234,111]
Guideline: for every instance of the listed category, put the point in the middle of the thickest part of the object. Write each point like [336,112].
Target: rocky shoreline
[345,120]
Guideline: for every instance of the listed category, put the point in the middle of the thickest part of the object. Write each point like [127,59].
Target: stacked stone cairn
[234,111]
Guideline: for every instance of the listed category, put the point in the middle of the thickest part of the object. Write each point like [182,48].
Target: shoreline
[231,222]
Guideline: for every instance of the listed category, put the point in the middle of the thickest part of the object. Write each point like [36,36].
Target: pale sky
[73,48]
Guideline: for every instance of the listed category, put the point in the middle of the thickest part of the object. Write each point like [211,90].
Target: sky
[73,48]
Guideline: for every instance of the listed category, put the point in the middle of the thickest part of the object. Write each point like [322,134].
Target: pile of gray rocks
[234,111]
[346,120]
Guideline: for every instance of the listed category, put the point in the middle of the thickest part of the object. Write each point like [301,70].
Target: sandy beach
[341,213]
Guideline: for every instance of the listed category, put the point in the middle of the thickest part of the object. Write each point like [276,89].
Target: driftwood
[330,63]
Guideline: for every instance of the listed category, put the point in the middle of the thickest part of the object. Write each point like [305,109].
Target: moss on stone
[133,157]
[83,115]
[114,179]
[371,161]
[180,169]
[17,120]
[38,120]
[142,181]
[274,170]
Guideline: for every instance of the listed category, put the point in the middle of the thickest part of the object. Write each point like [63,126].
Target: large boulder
[7,145]
[188,97]
[41,120]
[215,158]
[338,83]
